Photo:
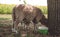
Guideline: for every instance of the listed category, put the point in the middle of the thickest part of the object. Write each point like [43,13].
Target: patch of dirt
[6,22]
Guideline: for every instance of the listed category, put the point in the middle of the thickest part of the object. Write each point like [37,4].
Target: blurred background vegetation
[7,8]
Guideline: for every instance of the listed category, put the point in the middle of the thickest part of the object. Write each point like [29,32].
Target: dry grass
[5,19]
[5,16]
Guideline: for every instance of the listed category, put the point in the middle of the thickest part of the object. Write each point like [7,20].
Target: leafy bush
[44,9]
[7,9]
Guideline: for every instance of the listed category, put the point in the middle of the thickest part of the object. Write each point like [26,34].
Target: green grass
[5,18]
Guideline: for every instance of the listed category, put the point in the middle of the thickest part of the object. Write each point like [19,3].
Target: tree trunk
[54,17]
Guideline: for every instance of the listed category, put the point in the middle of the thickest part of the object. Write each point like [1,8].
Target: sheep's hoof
[14,30]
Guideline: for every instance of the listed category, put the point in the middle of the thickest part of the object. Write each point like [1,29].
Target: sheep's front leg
[35,25]
[15,26]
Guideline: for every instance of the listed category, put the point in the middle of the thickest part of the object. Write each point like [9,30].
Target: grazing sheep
[27,13]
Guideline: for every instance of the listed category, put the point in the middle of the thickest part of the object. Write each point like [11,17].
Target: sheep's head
[44,21]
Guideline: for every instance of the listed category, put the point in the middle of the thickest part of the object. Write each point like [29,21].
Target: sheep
[27,13]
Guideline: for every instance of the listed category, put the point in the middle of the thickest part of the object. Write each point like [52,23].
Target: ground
[6,26]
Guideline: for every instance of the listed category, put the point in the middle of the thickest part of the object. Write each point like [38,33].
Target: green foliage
[43,8]
[7,9]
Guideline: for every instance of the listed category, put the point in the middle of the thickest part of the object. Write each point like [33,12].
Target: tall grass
[7,9]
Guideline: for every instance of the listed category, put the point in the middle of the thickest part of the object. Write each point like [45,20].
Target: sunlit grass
[5,16]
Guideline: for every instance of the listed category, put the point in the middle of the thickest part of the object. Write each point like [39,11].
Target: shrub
[44,9]
[6,9]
